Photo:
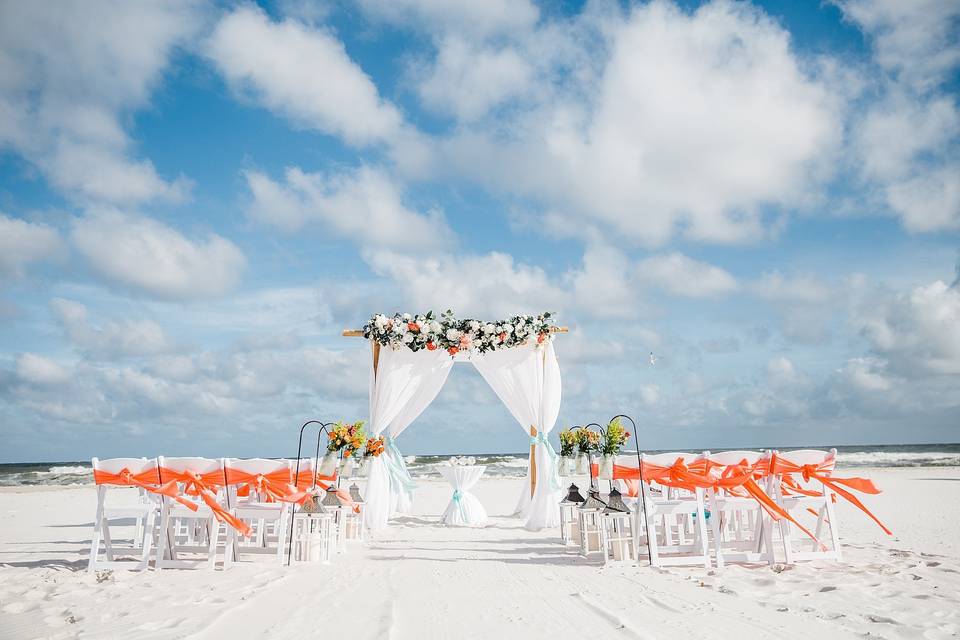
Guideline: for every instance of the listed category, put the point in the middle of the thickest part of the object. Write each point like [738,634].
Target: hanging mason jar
[583,465]
[363,467]
[348,466]
[567,466]
[328,465]
[606,467]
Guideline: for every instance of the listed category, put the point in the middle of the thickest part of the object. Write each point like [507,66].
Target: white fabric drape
[527,380]
[464,508]
[404,383]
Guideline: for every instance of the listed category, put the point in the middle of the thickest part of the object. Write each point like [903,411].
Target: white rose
[399,327]
[435,326]
[381,321]
[453,335]
[508,329]
[407,317]
[519,327]
[489,328]
[474,325]
[407,337]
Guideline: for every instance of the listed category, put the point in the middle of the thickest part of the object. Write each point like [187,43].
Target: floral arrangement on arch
[348,437]
[616,436]
[453,335]
[374,447]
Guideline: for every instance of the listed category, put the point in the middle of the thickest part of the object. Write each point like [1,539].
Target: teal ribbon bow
[396,467]
[457,495]
[541,438]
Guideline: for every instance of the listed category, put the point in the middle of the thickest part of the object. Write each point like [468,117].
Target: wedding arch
[411,358]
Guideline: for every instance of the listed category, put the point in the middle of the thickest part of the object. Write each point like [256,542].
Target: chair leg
[163,539]
[717,536]
[833,524]
[146,541]
[702,529]
[214,537]
[107,540]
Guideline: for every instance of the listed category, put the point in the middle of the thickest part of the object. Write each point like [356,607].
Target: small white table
[464,508]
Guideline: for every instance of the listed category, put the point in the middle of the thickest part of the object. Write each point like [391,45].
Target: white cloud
[603,284]
[23,243]
[915,40]
[485,286]
[683,276]
[69,78]
[918,176]
[364,205]
[692,125]
[478,17]
[302,73]
[144,255]
[39,370]
[917,332]
[800,289]
[467,80]
[113,338]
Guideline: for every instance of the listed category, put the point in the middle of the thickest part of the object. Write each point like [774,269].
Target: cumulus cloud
[479,17]
[68,79]
[690,125]
[115,338]
[681,275]
[490,285]
[365,205]
[23,243]
[303,73]
[914,43]
[144,255]
[916,333]
[802,289]
[36,369]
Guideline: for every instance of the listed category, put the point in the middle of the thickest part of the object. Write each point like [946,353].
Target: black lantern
[615,503]
[355,493]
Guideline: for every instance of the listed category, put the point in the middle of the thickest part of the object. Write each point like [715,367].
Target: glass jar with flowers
[568,440]
[587,442]
[615,437]
[345,439]
[372,449]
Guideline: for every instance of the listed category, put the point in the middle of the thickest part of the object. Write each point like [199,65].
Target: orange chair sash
[274,486]
[146,480]
[204,485]
[823,474]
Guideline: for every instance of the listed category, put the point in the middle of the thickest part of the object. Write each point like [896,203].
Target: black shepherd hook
[643,506]
[320,432]
[586,427]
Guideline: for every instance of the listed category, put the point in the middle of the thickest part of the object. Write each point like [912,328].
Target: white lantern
[618,530]
[590,518]
[569,521]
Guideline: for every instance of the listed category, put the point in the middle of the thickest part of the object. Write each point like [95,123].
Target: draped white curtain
[404,383]
[527,380]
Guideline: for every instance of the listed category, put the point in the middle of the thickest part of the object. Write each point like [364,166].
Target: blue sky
[196,198]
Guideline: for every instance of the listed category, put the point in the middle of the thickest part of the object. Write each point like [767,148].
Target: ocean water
[515,465]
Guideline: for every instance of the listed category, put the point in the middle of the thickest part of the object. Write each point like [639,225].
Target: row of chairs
[190,509]
[735,506]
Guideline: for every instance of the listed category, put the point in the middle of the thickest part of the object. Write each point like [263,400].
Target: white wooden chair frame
[797,505]
[674,522]
[742,531]
[183,530]
[144,514]
[268,520]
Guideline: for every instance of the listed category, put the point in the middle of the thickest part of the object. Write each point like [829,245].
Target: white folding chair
[742,532]
[268,520]
[125,473]
[182,530]
[800,506]
[675,520]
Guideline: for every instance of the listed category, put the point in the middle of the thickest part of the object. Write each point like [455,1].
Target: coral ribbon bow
[195,484]
[146,480]
[822,473]
[274,486]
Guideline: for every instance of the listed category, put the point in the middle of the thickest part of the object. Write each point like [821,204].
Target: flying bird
[653,359]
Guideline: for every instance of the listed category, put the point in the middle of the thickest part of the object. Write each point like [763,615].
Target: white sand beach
[418,579]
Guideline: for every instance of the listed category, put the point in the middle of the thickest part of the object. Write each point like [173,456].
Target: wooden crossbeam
[358,333]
